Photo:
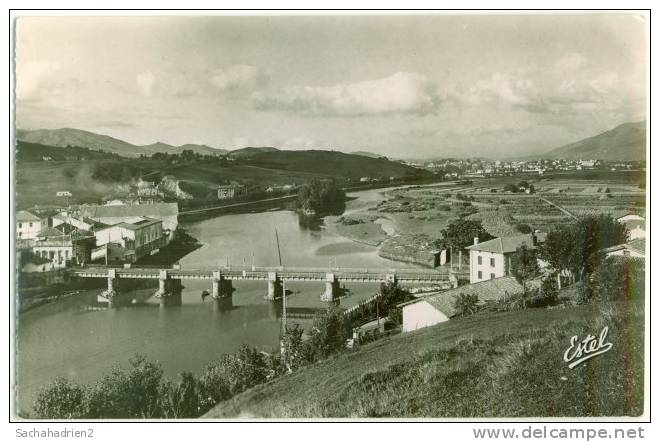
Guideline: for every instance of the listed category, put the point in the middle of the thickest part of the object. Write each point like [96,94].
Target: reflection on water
[78,338]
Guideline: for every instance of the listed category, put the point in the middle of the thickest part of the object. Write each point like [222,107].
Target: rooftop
[507,244]
[24,215]
[636,245]
[491,290]
[155,210]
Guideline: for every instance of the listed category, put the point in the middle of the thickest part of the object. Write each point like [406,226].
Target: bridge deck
[262,273]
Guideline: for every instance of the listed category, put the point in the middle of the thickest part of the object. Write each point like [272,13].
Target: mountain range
[626,142]
[82,138]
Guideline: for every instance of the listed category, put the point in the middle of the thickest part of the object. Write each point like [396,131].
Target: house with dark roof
[492,259]
[439,307]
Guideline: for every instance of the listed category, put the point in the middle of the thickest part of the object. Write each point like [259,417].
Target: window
[479,274]
[492,262]
[492,276]
[20,225]
[479,260]
[30,224]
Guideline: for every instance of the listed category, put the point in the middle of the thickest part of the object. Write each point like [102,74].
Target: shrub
[466,304]
[524,228]
[61,399]
[329,333]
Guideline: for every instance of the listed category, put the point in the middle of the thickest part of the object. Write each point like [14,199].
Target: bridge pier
[331,288]
[110,294]
[391,278]
[169,290]
[274,287]
[221,291]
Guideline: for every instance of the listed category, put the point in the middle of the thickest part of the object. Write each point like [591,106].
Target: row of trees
[142,391]
[321,197]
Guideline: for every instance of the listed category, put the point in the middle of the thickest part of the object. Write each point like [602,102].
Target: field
[416,215]
[486,365]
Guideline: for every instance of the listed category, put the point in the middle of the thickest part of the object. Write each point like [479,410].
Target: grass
[487,365]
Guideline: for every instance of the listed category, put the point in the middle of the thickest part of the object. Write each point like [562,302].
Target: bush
[524,228]
[330,331]
[466,304]
[181,400]
[617,279]
[61,399]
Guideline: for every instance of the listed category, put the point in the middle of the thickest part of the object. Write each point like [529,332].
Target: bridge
[169,279]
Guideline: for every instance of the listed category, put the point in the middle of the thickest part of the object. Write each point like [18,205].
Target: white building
[129,241]
[635,224]
[630,217]
[492,259]
[231,191]
[63,193]
[168,213]
[439,307]
[27,225]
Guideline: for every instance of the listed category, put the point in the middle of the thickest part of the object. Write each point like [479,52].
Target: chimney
[476,240]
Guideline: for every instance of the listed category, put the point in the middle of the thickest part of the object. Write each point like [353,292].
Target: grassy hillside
[103,175]
[626,142]
[247,152]
[36,152]
[495,364]
[336,163]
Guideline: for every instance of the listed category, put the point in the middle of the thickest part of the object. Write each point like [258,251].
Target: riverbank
[402,222]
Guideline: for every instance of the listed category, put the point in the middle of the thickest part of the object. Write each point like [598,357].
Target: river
[68,339]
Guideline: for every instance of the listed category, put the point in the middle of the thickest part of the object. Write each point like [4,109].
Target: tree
[460,233]
[213,385]
[321,197]
[511,188]
[61,399]
[330,331]
[617,279]
[466,304]
[549,291]
[132,394]
[294,355]
[181,400]
[524,266]
[575,247]
[244,369]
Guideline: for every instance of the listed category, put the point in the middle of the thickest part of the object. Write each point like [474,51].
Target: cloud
[145,82]
[33,78]
[238,79]
[551,90]
[571,61]
[400,93]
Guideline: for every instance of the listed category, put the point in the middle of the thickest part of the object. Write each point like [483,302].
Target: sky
[406,86]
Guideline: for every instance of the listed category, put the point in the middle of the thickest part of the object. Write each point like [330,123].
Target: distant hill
[37,152]
[247,152]
[82,138]
[626,142]
[363,153]
[332,163]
